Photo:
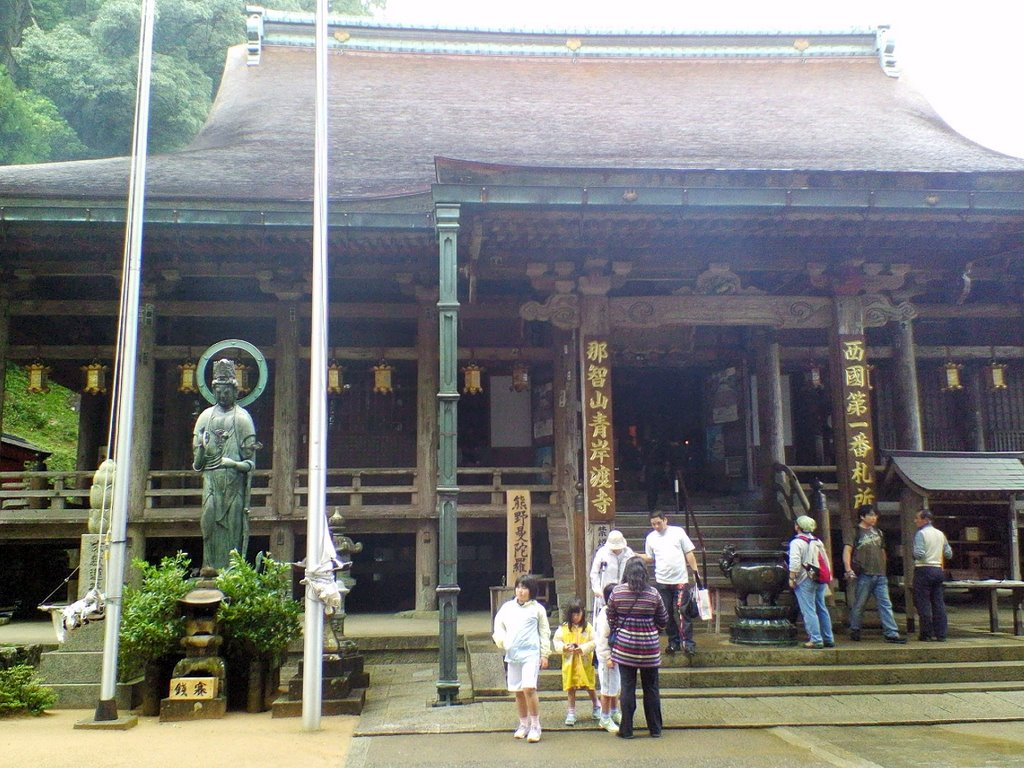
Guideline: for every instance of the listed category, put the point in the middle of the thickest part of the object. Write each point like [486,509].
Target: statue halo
[213,349]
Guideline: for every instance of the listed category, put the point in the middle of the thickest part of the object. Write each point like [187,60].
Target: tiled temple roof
[393,113]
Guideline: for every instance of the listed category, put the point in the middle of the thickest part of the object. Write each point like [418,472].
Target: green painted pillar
[447,221]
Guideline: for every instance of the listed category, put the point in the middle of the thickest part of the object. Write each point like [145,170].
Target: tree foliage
[31,128]
[47,419]
[74,66]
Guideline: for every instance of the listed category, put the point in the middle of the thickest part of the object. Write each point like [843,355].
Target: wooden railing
[826,473]
[370,487]
[173,495]
[44,490]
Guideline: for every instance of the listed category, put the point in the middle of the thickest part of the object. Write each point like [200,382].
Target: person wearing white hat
[609,561]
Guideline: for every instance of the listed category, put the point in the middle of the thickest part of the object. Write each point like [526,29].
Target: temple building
[716,252]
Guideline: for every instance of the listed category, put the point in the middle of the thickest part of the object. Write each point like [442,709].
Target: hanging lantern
[471,379]
[187,378]
[814,376]
[242,377]
[995,376]
[95,378]
[335,378]
[951,376]
[520,376]
[382,378]
[38,375]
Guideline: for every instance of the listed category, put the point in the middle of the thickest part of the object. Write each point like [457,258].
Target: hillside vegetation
[48,419]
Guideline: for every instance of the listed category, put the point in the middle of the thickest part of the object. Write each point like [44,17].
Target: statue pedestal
[763,625]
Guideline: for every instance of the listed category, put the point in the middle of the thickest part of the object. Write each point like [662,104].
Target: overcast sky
[964,56]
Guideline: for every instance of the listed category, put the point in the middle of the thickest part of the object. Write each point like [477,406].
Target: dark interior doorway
[659,427]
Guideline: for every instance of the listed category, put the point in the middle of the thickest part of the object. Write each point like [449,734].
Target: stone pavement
[400,726]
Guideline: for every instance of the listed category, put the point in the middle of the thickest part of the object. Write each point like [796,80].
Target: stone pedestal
[763,625]
[343,688]
[75,669]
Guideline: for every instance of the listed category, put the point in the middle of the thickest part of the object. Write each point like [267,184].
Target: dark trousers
[627,698]
[679,627]
[929,597]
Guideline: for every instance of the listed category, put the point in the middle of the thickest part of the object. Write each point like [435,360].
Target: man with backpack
[865,562]
[809,575]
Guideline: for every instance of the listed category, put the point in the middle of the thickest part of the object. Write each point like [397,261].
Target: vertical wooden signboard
[520,540]
[857,477]
[598,441]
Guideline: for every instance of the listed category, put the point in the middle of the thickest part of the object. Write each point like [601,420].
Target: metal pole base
[447,695]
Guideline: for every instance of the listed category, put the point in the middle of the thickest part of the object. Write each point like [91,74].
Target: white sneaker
[521,732]
[597,713]
[617,717]
[570,718]
[533,736]
[609,725]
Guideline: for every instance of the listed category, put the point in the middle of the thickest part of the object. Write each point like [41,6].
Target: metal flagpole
[128,332]
[313,624]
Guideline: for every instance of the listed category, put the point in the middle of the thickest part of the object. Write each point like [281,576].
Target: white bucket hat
[616,540]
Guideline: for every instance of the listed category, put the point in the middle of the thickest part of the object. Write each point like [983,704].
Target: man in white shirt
[672,552]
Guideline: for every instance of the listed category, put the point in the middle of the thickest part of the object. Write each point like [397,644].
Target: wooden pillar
[142,443]
[426,565]
[908,405]
[286,414]
[282,542]
[565,426]
[1015,512]
[426,457]
[142,427]
[851,411]
[975,409]
[769,405]
[595,375]
[92,430]
[910,504]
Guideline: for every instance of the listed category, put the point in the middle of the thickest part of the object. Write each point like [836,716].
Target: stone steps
[969,661]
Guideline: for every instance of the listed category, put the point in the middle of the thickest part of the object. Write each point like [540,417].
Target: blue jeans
[810,595]
[866,586]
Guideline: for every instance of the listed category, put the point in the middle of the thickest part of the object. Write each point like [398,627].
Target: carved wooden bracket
[284,284]
[720,280]
[851,278]
[879,310]
[561,310]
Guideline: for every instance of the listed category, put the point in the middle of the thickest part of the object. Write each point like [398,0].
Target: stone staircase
[723,670]
[723,520]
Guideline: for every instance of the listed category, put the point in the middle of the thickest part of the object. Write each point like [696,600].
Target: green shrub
[258,615]
[21,692]
[151,626]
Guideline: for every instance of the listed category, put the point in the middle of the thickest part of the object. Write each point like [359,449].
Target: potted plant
[258,619]
[152,627]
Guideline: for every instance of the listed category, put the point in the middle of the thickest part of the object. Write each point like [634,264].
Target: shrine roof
[402,118]
[941,472]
